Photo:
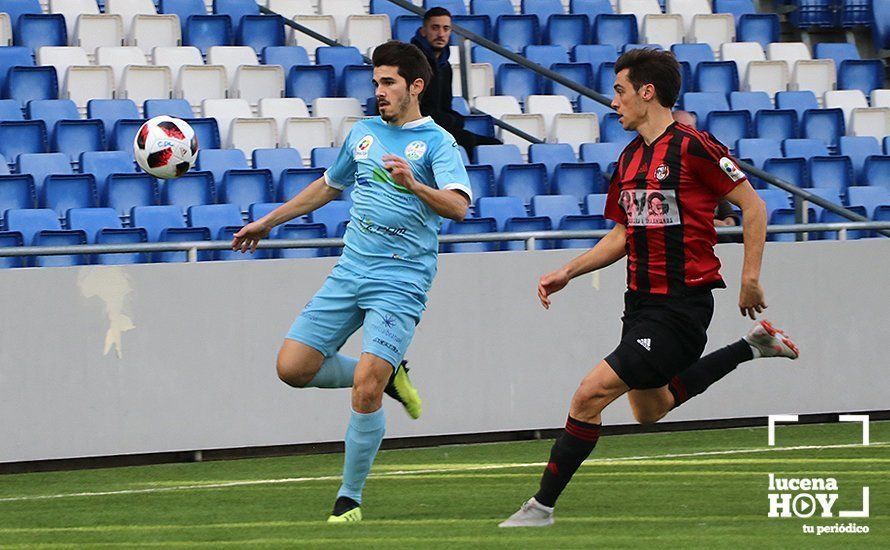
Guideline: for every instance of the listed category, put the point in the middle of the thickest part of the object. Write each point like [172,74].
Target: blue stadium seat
[109,111]
[800,101]
[26,136]
[804,148]
[858,148]
[36,30]
[276,160]
[28,83]
[155,219]
[530,223]
[235,9]
[778,124]
[871,197]
[7,239]
[580,223]
[92,221]
[124,191]
[834,173]
[338,57]
[523,181]
[260,32]
[131,235]
[483,55]
[9,108]
[405,27]
[861,74]
[60,238]
[481,181]
[551,154]
[472,226]
[491,8]
[750,101]
[64,191]
[737,8]
[580,73]
[191,189]
[830,217]
[385,7]
[214,217]
[455,7]
[591,8]
[41,165]
[595,54]
[301,231]
[287,56]
[544,9]
[813,13]
[217,161]
[310,82]
[857,13]
[876,172]
[595,204]
[546,55]
[515,32]
[837,51]
[460,105]
[702,103]
[32,221]
[887,145]
[479,24]
[829,194]
[294,180]
[717,76]
[760,27]
[578,180]
[51,111]
[758,150]
[13,56]
[74,137]
[601,154]
[479,124]
[334,216]
[183,234]
[588,105]
[824,124]
[516,80]
[245,187]
[206,31]
[497,156]
[179,108]
[616,30]
[501,209]
[611,131]
[729,126]
[793,170]
[881,214]
[324,157]
[774,199]
[783,216]
[567,30]
[227,234]
[17,8]
[605,79]
[17,191]
[183,9]
[124,134]
[693,54]
[206,131]
[555,207]
[259,209]
[4,168]
[357,82]
[881,24]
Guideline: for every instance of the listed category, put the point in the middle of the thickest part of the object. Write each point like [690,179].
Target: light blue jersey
[392,234]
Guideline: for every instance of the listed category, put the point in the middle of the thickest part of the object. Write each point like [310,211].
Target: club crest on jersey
[364,147]
[728,166]
[662,172]
[415,150]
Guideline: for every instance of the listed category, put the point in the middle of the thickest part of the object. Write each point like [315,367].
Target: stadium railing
[529,237]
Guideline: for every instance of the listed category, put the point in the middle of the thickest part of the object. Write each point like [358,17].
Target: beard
[402,106]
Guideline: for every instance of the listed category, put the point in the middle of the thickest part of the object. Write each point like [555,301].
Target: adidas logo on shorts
[646,343]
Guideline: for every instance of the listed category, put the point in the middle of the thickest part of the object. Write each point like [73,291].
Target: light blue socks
[335,372]
[363,439]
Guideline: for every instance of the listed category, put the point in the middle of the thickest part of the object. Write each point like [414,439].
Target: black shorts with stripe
[661,336]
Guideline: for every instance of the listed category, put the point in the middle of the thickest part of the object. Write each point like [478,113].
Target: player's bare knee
[646,417]
[367,396]
[589,397]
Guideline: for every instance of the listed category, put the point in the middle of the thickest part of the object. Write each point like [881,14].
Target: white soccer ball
[165,147]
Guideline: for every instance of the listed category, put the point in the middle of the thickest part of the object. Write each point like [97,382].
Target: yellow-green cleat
[346,510]
[401,389]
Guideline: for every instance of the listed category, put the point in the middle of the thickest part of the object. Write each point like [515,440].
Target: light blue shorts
[387,310]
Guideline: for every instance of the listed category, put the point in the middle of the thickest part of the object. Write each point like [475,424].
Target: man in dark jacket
[433,38]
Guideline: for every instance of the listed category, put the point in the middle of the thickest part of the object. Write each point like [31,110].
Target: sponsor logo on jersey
[728,166]
[650,207]
[415,150]
[364,147]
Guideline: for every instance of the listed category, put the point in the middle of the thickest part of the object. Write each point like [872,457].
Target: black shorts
[661,336]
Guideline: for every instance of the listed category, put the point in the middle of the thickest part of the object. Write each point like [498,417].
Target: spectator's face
[394,98]
[628,102]
[437,31]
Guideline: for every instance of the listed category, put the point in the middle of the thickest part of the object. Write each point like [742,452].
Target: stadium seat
[789,52]
[122,236]
[525,224]
[110,111]
[858,149]
[176,57]
[62,57]
[662,29]
[481,181]
[491,8]
[64,191]
[595,204]
[497,156]
[403,28]
[74,137]
[357,82]
[155,219]
[218,161]
[124,191]
[340,10]
[259,209]
[872,122]
[93,31]
[693,54]
[546,55]
[282,109]
[716,76]
[774,199]
[214,217]
[471,226]
[226,112]
[60,238]
[13,56]
[248,134]
[337,109]
[702,103]
[260,31]
[197,83]
[294,180]
[871,197]
[128,10]
[515,32]
[639,9]
[580,73]
[550,155]
[523,181]
[301,231]
[7,239]
[191,189]
[277,161]
[792,170]
[26,136]
[750,101]
[771,77]
[714,30]
[847,101]
[310,82]
[367,31]
[286,56]
[51,111]
[836,51]
[861,74]
[876,172]
[102,164]
[71,10]
[32,221]
[815,75]
[615,29]
[179,108]
[805,148]
[92,221]
[601,154]
[824,124]
[206,132]
[778,124]
[516,80]
[10,110]
[566,30]
[36,30]
[830,217]
[762,28]
[324,157]
[41,165]
[759,150]
[206,31]
[339,57]
[604,79]
[555,207]
[236,10]
[245,187]
[232,58]
[833,173]
[17,191]
[25,84]
[305,134]
[334,216]
[611,131]
[580,223]
[501,209]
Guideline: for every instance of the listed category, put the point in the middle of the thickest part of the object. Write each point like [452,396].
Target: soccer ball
[165,147]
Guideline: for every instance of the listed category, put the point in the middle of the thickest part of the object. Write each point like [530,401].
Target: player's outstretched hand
[551,283]
[248,237]
[751,299]
[400,171]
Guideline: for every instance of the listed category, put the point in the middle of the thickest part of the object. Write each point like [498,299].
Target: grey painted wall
[112,360]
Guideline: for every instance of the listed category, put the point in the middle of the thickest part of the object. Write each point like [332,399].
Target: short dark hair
[438,11]
[411,62]
[650,66]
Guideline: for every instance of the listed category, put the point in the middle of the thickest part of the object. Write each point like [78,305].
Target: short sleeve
[713,166]
[448,167]
[341,174]
[613,210]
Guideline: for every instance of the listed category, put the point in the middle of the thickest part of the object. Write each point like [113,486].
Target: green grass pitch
[698,489]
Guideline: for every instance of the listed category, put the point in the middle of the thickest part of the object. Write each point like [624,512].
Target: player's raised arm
[314,196]
[448,203]
[751,298]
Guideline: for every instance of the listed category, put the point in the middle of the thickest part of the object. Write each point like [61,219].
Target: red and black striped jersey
[665,194]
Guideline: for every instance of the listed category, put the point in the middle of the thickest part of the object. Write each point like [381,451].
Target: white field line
[400,473]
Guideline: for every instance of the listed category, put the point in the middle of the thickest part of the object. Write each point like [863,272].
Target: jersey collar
[408,125]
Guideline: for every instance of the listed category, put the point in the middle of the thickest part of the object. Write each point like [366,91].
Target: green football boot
[401,389]
[346,510]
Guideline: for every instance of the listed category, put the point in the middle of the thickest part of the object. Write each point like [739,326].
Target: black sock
[343,505]
[571,448]
[707,370]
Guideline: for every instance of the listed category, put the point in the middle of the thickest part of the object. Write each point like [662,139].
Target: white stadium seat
[336,109]
[281,109]
[231,57]
[256,82]
[199,82]
[880,98]
[340,10]
[345,127]
[846,101]
[688,9]
[248,134]
[95,31]
[787,51]
[498,105]
[150,31]
[119,57]
[62,57]
[713,29]
[481,80]
[816,75]
[639,8]
[873,121]
[742,53]
[663,29]
[548,106]
[83,83]
[767,76]
[530,124]
[71,9]
[290,8]
[322,24]
[366,31]
[146,82]
[176,57]
[5,30]
[575,129]
[128,9]
[225,111]
[305,134]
